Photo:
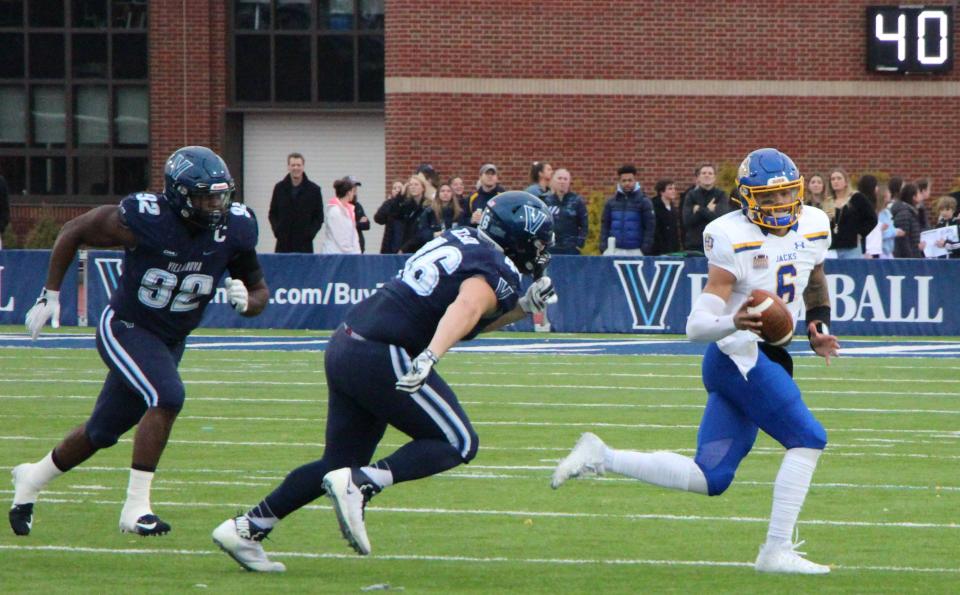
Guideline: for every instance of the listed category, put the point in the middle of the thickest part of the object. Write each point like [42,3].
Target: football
[777,321]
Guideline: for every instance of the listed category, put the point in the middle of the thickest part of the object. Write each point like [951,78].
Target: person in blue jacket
[627,226]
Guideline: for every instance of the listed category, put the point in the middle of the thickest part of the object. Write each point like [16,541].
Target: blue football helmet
[522,225]
[193,173]
[766,171]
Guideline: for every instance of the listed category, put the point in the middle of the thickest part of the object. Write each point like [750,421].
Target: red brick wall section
[187,77]
[664,135]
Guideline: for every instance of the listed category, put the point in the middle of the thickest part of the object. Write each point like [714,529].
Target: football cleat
[240,538]
[146,525]
[586,457]
[350,490]
[21,518]
[784,558]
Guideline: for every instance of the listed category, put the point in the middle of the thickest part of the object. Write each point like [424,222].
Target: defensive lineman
[461,283]
[772,243]
[177,246]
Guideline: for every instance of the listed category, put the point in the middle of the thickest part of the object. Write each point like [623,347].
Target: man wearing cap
[487,187]
[296,209]
[339,235]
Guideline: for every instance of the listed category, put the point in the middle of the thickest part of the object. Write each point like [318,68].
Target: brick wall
[665,135]
[188,67]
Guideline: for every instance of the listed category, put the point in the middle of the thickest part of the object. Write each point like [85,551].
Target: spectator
[541,174]
[400,216]
[430,179]
[837,195]
[946,216]
[701,205]
[296,209]
[363,223]
[815,192]
[666,214]
[879,242]
[854,218]
[487,187]
[570,219]
[443,213]
[4,209]
[459,194]
[339,235]
[895,184]
[904,213]
[627,225]
[923,197]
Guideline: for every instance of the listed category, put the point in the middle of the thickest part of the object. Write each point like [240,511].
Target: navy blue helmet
[193,175]
[522,225]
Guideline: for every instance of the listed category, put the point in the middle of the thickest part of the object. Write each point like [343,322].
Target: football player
[380,371]
[771,243]
[178,245]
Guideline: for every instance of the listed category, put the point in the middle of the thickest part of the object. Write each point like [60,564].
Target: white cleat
[784,558]
[348,502]
[586,457]
[241,542]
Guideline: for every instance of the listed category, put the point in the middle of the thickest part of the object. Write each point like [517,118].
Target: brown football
[777,321]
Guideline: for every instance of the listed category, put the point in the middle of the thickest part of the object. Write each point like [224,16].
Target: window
[305,53]
[74,99]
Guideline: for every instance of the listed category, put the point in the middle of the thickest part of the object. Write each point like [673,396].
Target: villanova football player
[772,243]
[178,245]
[380,363]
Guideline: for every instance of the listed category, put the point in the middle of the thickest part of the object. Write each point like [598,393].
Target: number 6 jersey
[172,273]
[761,260]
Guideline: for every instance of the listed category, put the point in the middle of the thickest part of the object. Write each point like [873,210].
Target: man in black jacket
[296,209]
[701,205]
[666,216]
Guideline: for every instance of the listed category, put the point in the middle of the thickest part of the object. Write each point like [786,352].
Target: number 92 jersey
[173,271]
[408,308]
[761,260]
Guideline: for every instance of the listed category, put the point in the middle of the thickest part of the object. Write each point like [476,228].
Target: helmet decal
[533,219]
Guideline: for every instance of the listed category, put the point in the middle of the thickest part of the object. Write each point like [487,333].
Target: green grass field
[884,508]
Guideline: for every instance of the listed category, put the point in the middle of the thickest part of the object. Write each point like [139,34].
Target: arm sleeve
[245,266]
[867,216]
[649,223]
[274,215]
[707,322]
[383,213]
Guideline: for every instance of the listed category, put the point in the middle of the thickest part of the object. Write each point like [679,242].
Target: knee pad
[101,437]
[814,436]
[172,397]
[718,479]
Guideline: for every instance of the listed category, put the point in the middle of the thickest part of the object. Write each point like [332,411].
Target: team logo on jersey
[110,270]
[503,289]
[761,261]
[649,299]
[707,241]
[533,219]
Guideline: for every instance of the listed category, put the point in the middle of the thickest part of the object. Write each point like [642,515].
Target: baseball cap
[487,167]
[352,180]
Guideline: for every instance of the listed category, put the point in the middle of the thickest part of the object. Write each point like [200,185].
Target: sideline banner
[22,274]
[597,293]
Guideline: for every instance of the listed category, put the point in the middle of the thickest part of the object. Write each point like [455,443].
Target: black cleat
[147,525]
[21,518]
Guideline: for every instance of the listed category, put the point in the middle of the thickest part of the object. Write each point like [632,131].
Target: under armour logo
[533,219]
[799,245]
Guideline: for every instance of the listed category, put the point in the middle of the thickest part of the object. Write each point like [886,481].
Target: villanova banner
[22,275]
[597,293]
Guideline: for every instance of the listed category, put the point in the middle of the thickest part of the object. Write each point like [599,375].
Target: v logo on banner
[109,269]
[649,300]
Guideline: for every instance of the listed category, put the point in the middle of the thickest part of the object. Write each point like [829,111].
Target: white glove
[419,370]
[47,307]
[237,294]
[540,293]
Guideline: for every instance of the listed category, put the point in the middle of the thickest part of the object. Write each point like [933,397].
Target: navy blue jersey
[172,273]
[408,308]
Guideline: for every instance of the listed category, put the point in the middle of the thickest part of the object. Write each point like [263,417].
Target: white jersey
[762,260]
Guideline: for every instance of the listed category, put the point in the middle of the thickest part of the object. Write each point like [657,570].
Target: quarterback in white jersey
[772,243]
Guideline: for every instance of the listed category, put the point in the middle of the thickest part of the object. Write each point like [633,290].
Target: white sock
[381,477]
[138,492]
[789,492]
[665,469]
[37,476]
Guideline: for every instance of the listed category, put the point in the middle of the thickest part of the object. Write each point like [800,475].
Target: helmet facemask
[206,207]
[762,205]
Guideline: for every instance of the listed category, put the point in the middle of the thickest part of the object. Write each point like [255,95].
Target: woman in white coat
[339,232]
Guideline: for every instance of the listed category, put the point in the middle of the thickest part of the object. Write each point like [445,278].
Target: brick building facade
[583,84]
